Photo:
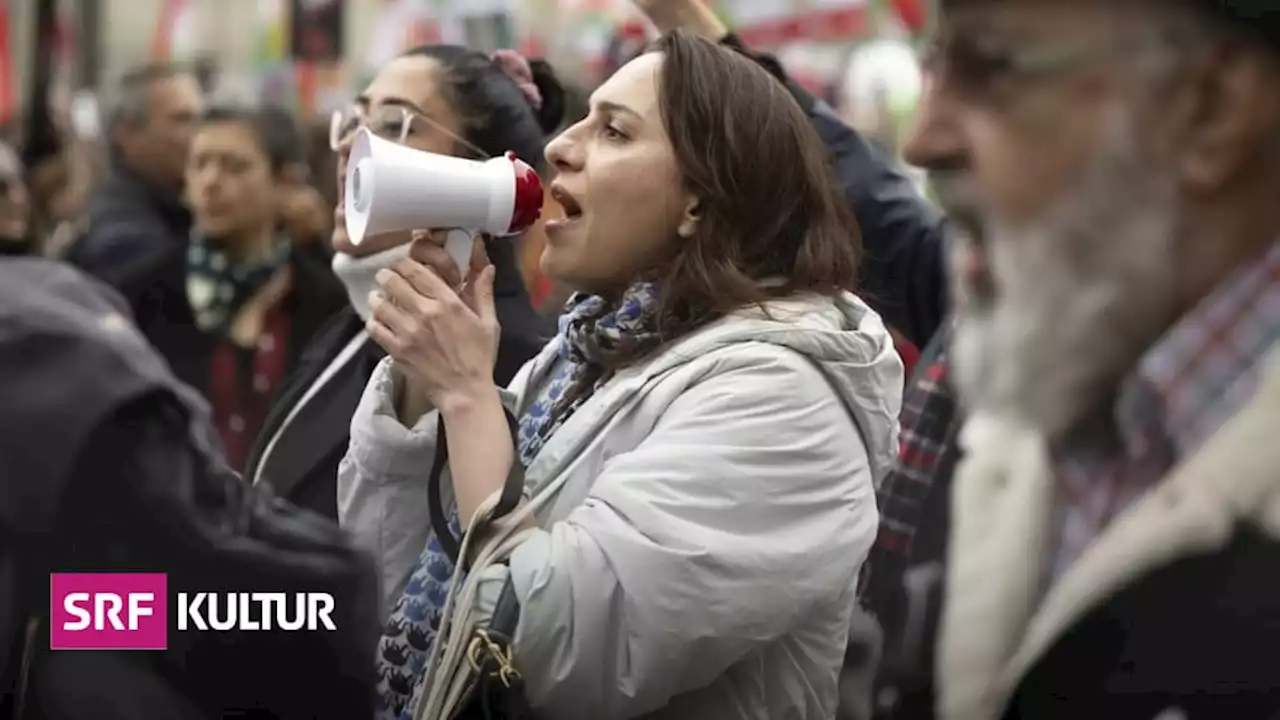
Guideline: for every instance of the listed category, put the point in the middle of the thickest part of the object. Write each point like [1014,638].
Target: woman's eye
[387,128]
[613,133]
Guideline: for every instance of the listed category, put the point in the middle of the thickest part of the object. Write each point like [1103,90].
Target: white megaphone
[390,187]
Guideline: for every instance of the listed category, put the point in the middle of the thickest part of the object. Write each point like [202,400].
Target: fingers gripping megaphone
[390,188]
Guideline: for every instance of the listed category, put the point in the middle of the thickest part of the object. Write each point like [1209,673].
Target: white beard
[357,273]
[1078,296]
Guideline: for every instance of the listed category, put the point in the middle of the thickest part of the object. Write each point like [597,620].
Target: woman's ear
[689,220]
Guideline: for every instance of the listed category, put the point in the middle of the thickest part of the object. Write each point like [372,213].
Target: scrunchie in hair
[517,68]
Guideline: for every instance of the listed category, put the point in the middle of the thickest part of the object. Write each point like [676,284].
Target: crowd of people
[719,484]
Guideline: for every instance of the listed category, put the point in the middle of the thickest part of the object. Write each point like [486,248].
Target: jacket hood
[849,342]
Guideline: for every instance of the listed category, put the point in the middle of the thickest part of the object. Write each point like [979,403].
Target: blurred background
[312,54]
[59,57]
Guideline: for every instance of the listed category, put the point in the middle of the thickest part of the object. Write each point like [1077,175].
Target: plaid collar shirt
[929,420]
[1195,378]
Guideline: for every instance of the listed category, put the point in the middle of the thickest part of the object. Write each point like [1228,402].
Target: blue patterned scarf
[592,330]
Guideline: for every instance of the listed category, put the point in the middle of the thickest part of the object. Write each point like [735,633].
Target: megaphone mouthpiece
[361,184]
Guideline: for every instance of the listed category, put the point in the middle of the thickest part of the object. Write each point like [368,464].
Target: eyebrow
[363,101]
[616,108]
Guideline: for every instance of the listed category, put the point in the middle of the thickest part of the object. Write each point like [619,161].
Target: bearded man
[1115,522]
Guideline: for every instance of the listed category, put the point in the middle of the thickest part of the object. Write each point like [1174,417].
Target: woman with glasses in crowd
[697,446]
[443,99]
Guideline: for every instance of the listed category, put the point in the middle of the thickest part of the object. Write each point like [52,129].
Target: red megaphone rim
[527,203]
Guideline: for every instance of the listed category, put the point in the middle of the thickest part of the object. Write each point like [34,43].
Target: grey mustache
[958,198]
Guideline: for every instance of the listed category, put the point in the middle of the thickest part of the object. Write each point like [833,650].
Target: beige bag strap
[488,542]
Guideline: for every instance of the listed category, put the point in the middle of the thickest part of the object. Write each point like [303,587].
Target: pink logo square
[108,611]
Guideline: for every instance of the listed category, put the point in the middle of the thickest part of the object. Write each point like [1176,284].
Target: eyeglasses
[977,67]
[390,122]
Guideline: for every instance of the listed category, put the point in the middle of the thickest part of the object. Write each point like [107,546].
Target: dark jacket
[1172,612]
[1198,635]
[135,240]
[108,467]
[303,463]
[904,267]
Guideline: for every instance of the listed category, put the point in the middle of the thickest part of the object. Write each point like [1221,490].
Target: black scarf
[217,287]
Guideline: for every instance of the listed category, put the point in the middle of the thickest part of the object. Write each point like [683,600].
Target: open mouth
[572,209]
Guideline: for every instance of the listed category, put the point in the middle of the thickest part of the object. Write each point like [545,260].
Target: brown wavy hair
[770,206]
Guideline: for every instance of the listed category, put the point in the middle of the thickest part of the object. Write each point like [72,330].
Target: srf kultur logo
[130,611]
[108,611]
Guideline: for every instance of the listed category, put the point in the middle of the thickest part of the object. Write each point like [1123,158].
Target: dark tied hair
[279,136]
[496,114]
[770,207]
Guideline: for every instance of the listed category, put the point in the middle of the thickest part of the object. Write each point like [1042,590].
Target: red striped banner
[7,90]
[835,25]
[162,40]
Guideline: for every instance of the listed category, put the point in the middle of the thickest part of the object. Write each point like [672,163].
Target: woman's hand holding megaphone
[441,332]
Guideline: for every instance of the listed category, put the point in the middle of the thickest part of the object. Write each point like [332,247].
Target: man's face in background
[1053,106]
[15,202]
[158,144]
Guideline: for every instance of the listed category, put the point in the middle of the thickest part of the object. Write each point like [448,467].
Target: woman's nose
[562,154]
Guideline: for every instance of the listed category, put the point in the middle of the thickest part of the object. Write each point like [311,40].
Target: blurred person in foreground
[699,442]
[1114,520]
[257,292]
[439,98]
[110,466]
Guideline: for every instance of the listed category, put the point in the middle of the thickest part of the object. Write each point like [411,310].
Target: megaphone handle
[458,243]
